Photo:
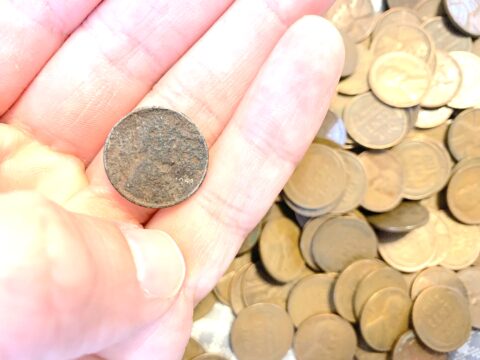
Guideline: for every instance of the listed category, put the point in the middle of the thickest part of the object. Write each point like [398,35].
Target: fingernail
[159,262]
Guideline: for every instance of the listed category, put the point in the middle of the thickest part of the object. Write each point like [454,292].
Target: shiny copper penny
[374,124]
[340,241]
[325,336]
[378,279]
[468,94]
[464,135]
[204,306]
[470,277]
[408,347]
[427,9]
[399,79]
[261,331]
[311,295]
[405,217]
[279,249]
[437,275]
[155,157]
[445,36]
[463,194]
[430,118]
[441,318]
[347,282]
[385,180]
[192,350]
[385,317]
[465,15]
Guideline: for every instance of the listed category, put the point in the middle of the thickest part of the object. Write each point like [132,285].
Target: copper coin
[405,217]
[445,36]
[399,79]
[468,94]
[385,317]
[235,290]
[441,318]
[279,249]
[408,347]
[155,157]
[430,118]
[340,241]
[347,283]
[437,275]
[471,279]
[251,240]
[366,353]
[209,357]
[351,56]
[401,3]
[445,83]
[192,350]
[384,277]
[429,8]
[465,15]
[426,166]
[374,124]
[204,306]
[307,237]
[261,331]
[464,135]
[476,47]
[311,295]
[441,234]
[357,83]
[332,129]
[463,194]
[401,15]
[325,336]
[222,289]
[385,180]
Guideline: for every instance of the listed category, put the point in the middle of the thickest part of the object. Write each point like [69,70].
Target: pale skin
[256,76]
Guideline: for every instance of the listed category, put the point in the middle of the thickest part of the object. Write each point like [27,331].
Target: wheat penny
[441,318]
[374,124]
[401,3]
[366,353]
[465,15]
[468,94]
[357,83]
[385,317]
[437,275]
[311,295]
[405,217]
[470,277]
[261,331]
[441,234]
[445,36]
[400,16]
[351,55]
[385,180]
[251,240]
[464,135]
[222,289]
[347,283]
[408,347]
[325,336]
[207,356]
[430,118]
[376,280]
[463,194]
[399,79]
[192,350]
[204,306]
[427,9]
[340,241]
[235,291]
[311,226]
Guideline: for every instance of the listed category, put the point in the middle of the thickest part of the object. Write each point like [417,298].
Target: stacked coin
[372,250]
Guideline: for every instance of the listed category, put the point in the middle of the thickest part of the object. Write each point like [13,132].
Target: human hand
[256,86]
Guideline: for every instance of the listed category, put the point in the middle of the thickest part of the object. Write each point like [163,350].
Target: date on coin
[155,157]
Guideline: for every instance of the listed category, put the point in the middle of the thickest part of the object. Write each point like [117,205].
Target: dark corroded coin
[155,157]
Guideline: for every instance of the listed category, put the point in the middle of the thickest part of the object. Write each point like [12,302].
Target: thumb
[73,285]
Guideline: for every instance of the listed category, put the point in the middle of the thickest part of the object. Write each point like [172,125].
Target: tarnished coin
[351,56]
[378,279]
[437,275]
[445,83]
[471,279]
[347,282]
[399,79]
[261,331]
[465,15]
[235,291]
[426,166]
[427,9]
[222,289]
[463,194]
[356,184]
[464,135]
[204,306]
[251,240]
[340,241]
[468,94]
[400,15]
[385,180]
[441,318]
[319,180]
[155,157]
[464,244]
[279,249]
[445,36]
[332,129]
[374,124]
[385,317]
[405,217]
[408,347]
[209,357]
[307,237]
[311,295]
[325,336]
[355,18]
[430,118]
[357,83]
[192,350]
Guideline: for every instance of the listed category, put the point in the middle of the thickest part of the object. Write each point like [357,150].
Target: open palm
[255,76]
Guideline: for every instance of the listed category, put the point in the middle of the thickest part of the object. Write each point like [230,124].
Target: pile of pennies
[372,249]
